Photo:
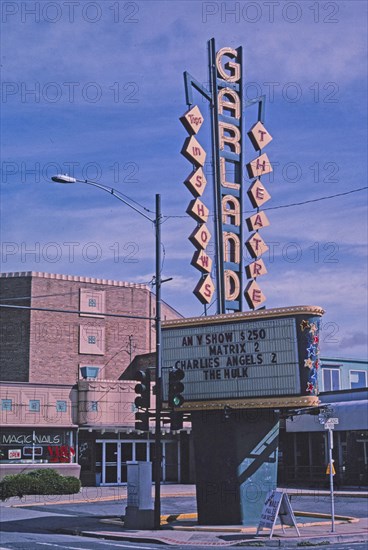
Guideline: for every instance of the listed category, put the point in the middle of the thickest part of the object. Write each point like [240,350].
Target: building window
[92,406]
[6,404]
[61,406]
[34,405]
[92,340]
[331,379]
[358,379]
[92,302]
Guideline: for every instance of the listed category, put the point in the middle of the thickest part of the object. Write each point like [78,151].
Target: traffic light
[142,421]
[176,387]
[143,400]
[176,421]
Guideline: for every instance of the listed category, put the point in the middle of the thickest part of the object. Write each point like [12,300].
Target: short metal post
[330,447]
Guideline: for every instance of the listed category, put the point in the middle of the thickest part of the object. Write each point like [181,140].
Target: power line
[316,200]
[294,203]
[76,311]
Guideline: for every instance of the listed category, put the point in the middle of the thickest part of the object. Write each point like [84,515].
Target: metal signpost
[330,426]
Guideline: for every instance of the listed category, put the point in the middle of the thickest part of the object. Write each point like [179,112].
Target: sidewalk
[184,530]
[228,536]
[103,494]
[188,533]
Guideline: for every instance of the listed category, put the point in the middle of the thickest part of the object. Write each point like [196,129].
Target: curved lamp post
[61,178]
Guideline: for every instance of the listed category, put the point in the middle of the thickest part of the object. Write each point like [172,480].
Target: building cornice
[72,278]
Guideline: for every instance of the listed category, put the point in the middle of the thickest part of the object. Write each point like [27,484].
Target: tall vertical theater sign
[240,370]
[234,282]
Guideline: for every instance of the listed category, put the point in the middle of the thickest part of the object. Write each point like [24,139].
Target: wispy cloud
[130,138]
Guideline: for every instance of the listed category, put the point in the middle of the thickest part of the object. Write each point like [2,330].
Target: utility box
[139,512]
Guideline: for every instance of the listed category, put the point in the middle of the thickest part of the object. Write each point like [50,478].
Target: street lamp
[61,178]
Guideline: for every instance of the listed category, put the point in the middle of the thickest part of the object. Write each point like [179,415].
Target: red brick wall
[54,336]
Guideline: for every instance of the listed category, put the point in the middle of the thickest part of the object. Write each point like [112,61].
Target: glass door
[110,462]
[112,458]
[126,453]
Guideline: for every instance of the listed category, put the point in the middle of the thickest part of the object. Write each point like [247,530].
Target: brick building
[50,344]
[51,397]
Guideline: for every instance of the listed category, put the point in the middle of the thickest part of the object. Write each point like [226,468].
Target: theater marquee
[226,275]
[258,359]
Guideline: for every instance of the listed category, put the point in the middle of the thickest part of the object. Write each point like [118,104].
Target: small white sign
[332,421]
[277,505]
[329,426]
[14,454]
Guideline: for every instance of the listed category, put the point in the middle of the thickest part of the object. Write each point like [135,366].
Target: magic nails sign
[226,274]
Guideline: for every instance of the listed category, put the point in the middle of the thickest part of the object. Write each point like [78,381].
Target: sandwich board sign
[277,505]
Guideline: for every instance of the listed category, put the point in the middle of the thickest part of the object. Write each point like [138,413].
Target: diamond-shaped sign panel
[254,295]
[193,151]
[258,194]
[256,245]
[259,136]
[202,261]
[198,211]
[196,182]
[192,120]
[200,237]
[256,269]
[204,290]
[259,166]
[257,221]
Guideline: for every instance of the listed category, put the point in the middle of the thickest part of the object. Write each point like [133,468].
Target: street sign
[330,423]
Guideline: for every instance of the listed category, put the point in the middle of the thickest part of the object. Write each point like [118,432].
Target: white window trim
[358,370]
[325,368]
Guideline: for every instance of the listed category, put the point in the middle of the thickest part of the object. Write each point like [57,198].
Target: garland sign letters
[226,101]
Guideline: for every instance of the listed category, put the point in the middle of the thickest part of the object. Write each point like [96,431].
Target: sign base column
[236,454]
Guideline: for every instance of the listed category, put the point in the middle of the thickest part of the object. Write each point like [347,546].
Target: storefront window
[36,446]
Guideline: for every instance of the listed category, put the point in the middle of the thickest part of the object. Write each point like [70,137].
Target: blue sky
[96,89]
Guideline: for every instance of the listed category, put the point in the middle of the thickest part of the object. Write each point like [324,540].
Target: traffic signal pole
[158,370]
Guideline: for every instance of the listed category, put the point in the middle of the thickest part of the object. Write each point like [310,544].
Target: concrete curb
[227,536]
[265,542]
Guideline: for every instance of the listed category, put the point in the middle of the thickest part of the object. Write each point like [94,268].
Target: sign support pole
[33,445]
[216,178]
[158,370]
[330,447]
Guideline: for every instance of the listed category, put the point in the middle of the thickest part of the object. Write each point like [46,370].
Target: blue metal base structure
[236,464]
